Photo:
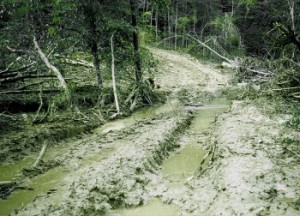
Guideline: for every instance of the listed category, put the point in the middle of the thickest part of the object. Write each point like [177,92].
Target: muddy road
[197,154]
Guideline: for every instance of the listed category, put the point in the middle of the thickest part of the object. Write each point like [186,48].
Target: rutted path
[178,158]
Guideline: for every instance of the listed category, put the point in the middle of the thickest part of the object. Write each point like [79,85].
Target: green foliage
[183,22]
[295,120]
[147,35]
[227,33]
[248,3]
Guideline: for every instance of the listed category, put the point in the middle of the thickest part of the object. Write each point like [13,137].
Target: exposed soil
[181,158]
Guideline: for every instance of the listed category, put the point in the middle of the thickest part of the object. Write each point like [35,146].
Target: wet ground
[189,156]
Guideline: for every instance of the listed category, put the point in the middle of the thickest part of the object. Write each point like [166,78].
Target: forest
[149,107]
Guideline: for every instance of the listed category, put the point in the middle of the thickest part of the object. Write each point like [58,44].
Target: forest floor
[197,154]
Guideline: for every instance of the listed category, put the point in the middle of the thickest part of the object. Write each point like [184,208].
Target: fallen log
[259,72]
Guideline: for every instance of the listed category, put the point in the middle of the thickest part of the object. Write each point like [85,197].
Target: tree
[135,41]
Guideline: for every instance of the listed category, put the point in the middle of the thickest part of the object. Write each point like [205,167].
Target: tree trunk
[176,24]
[90,20]
[96,63]
[156,25]
[169,27]
[135,41]
[194,20]
[113,74]
[52,68]
[291,4]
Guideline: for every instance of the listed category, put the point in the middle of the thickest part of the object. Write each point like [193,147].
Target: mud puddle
[183,164]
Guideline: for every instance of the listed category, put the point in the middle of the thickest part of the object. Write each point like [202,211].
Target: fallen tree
[53,69]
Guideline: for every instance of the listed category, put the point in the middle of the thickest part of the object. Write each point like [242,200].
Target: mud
[119,179]
[249,175]
[186,157]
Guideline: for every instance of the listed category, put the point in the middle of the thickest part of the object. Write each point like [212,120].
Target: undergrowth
[273,85]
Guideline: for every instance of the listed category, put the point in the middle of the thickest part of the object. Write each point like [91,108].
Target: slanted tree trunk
[135,41]
[53,69]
